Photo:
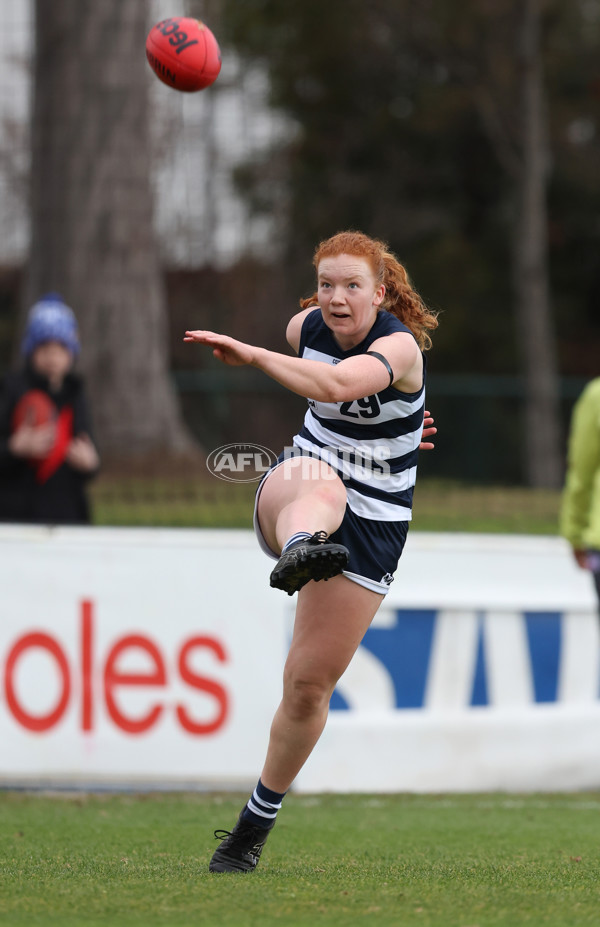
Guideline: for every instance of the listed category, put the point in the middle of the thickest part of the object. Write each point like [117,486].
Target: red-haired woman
[336,506]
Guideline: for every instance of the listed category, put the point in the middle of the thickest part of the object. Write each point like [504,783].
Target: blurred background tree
[427,124]
[92,235]
[434,125]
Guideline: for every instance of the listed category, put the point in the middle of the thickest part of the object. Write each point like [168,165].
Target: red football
[183,53]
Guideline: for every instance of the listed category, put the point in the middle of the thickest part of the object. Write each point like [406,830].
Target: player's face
[52,360]
[349,297]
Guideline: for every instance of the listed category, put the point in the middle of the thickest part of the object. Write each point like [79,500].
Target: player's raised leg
[301,494]
[300,504]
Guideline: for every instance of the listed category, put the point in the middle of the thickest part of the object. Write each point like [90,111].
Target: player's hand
[82,454]
[33,442]
[581,558]
[429,430]
[226,349]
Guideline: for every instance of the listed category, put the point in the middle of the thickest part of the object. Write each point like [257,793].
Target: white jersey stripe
[377,448]
[380,478]
[367,507]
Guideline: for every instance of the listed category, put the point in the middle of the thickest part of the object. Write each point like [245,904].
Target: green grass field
[448,861]
[212,503]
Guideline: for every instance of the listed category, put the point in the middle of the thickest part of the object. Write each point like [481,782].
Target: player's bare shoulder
[403,353]
[294,330]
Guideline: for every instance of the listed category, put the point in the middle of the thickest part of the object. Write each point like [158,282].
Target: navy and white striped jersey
[372,443]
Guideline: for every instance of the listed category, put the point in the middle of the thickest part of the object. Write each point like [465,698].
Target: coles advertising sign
[79,679]
[155,657]
[137,655]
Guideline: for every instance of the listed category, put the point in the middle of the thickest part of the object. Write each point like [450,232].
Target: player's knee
[332,495]
[305,698]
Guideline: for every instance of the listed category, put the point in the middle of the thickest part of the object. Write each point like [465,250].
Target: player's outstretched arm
[353,378]
[226,349]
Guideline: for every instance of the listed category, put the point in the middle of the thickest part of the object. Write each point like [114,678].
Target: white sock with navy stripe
[262,806]
[298,536]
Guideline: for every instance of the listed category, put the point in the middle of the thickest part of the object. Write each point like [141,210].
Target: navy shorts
[375,546]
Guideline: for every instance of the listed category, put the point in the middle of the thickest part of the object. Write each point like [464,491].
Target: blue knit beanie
[50,319]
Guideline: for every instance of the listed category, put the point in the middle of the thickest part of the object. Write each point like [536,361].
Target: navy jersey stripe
[391,429]
[391,394]
[402,497]
[393,464]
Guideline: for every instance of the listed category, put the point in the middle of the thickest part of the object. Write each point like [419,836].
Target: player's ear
[379,295]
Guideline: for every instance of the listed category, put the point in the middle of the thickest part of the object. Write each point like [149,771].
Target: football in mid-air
[183,53]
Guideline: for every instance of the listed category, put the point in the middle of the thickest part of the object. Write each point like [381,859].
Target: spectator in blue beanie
[46,451]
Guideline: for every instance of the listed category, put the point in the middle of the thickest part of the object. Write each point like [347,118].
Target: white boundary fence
[153,658]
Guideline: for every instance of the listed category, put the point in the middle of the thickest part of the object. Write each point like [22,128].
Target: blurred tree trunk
[511,98]
[531,272]
[91,214]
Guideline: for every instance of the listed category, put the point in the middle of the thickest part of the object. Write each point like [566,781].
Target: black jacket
[62,498]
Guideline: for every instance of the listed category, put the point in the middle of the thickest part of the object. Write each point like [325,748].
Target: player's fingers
[201,334]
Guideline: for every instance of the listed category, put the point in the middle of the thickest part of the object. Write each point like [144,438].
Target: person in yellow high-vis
[580,511]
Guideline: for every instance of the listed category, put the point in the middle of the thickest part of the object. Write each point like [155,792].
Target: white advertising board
[136,655]
[154,658]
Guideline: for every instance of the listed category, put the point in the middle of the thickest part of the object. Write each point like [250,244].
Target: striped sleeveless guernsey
[372,443]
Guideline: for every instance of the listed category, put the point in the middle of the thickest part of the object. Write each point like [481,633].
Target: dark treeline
[409,128]
[464,132]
